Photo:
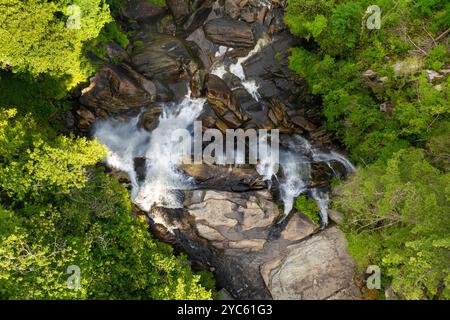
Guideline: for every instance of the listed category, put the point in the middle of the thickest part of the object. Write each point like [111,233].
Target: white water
[238,70]
[295,162]
[125,141]
[322,200]
[163,179]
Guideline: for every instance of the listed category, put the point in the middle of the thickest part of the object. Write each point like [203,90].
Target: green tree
[43,37]
[397,216]
[58,210]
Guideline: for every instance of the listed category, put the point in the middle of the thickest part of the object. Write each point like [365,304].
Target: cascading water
[295,163]
[322,200]
[237,69]
[163,179]
[124,141]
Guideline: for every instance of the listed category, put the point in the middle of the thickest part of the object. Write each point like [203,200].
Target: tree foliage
[397,216]
[59,211]
[36,38]
[394,121]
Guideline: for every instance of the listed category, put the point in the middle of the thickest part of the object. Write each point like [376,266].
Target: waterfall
[163,179]
[322,200]
[333,156]
[124,141]
[237,69]
[295,162]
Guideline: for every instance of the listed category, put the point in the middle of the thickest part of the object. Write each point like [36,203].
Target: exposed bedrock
[253,256]
[229,32]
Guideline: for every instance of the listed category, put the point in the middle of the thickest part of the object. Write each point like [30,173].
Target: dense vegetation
[58,209]
[394,121]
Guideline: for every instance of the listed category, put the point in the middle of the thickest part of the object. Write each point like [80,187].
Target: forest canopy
[59,210]
[393,118]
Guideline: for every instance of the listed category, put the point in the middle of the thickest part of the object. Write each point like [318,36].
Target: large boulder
[270,66]
[223,177]
[166,58]
[197,18]
[254,255]
[118,88]
[315,269]
[149,119]
[229,32]
[179,9]
[142,11]
[223,102]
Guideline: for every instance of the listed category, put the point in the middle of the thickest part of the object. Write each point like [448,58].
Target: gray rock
[223,177]
[165,58]
[118,88]
[229,32]
[317,268]
[142,11]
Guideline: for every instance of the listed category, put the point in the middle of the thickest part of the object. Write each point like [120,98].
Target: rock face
[325,271]
[117,89]
[142,11]
[223,102]
[253,255]
[166,58]
[229,32]
[149,119]
[179,9]
[224,178]
[270,65]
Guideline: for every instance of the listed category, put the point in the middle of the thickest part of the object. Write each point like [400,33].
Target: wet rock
[197,18]
[275,21]
[179,9]
[142,11]
[165,58]
[117,89]
[197,84]
[302,122]
[229,32]
[149,119]
[208,49]
[277,113]
[269,66]
[223,102]
[321,174]
[224,178]
[114,52]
